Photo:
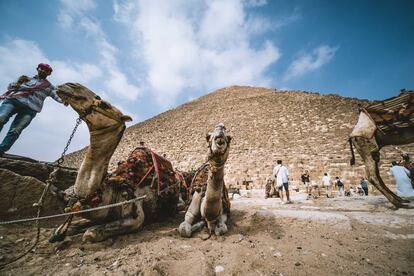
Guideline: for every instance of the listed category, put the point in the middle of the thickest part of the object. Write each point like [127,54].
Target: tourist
[24,98]
[326,183]
[364,185]
[406,162]
[306,181]
[281,175]
[402,180]
[340,186]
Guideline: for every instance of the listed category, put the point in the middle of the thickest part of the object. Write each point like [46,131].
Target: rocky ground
[339,236]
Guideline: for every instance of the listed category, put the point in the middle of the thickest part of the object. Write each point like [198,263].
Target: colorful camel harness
[142,168]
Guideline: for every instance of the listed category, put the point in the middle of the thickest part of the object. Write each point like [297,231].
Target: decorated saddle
[394,113]
[145,168]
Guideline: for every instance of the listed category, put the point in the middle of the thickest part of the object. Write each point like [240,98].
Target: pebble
[323,255]
[218,269]
[297,264]
[277,254]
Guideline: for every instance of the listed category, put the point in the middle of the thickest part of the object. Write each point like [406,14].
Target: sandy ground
[339,236]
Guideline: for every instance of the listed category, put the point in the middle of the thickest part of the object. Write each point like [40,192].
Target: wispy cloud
[309,62]
[184,48]
[116,83]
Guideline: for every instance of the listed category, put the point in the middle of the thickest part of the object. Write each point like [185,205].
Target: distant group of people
[402,172]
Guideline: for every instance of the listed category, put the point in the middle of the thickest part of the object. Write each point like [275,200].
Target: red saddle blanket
[144,167]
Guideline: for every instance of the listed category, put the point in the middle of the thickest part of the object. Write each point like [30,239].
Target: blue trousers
[24,116]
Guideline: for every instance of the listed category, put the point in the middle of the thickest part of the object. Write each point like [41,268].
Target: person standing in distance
[281,175]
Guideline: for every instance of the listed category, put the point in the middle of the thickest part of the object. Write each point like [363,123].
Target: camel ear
[126,118]
[208,137]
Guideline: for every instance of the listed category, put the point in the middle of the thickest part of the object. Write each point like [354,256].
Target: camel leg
[79,226]
[221,227]
[370,154]
[193,212]
[132,222]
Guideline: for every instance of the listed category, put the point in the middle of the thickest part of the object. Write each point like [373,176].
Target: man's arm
[54,95]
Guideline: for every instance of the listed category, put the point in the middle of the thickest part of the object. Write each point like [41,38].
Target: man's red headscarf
[45,67]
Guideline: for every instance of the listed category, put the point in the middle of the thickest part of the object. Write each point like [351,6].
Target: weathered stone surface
[305,130]
[19,193]
[40,170]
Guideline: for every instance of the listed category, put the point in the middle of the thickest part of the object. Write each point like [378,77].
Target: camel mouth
[220,141]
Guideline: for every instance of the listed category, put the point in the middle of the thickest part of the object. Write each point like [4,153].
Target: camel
[143,173]
[210,200]
[390,122]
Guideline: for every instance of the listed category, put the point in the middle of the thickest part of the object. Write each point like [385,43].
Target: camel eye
[97,97]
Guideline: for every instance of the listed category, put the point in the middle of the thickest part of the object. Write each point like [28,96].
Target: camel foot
[185,229]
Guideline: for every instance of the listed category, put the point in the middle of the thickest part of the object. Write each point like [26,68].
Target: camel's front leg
[370,154]
[221,227]
[131,221]
[186,228]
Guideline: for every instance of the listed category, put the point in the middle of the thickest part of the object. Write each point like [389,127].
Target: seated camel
[210,200]
[143,173]
[389,122]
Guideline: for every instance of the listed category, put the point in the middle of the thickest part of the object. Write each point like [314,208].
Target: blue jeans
[23,118]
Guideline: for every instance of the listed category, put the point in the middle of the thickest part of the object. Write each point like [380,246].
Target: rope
[73,213]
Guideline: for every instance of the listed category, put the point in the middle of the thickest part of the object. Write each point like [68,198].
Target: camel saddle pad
[199,184]
[142,168]
[394,113]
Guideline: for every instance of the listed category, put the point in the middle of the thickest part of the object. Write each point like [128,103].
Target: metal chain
[62,157]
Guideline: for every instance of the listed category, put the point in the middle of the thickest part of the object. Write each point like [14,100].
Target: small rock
[277,254]
[114,264]
[67,264]
[185,246]
[323,255]
[297,264]
[299,247]
[218,269]
[19,240]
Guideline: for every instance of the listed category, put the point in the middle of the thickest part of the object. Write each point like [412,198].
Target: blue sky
[149,56]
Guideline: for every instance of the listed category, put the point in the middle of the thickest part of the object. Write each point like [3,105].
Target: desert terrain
[324,236]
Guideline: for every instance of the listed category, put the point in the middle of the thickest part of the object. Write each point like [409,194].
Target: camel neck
[103,143]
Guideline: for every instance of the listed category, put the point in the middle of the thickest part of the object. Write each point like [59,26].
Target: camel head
[218,144]
[91,108]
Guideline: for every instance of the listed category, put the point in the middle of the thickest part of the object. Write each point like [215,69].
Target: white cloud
[116,83]
[310,62]
[195,45]
[255,3]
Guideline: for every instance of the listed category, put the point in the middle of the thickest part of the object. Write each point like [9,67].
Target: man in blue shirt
[24,98]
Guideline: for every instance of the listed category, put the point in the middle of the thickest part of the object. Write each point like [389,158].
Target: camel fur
[94,186]
[210,200]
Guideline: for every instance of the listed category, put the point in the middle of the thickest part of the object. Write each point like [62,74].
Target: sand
[324,236]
